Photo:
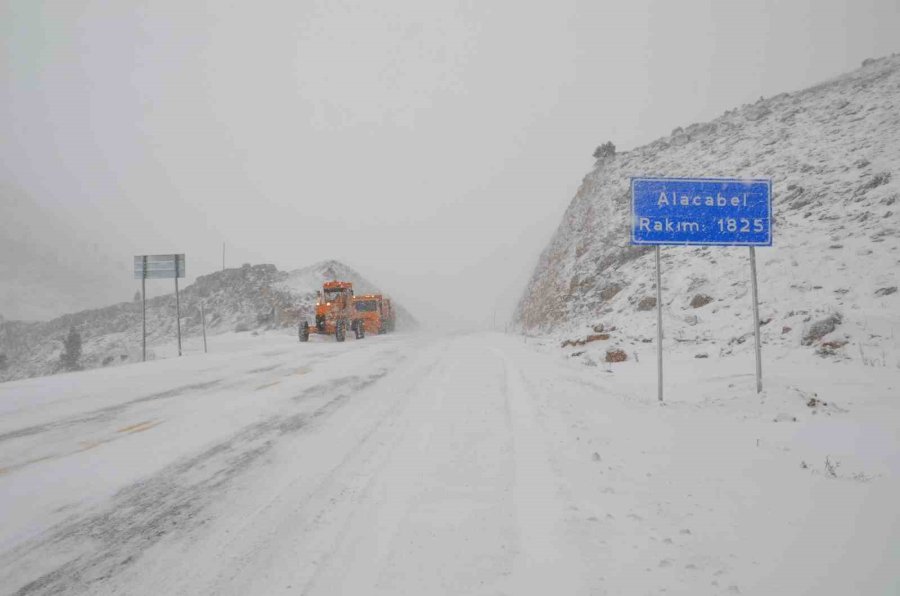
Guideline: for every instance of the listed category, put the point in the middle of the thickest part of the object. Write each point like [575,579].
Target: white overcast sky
[431,145]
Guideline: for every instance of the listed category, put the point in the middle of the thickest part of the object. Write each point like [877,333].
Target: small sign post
[704,212]
[178,315]
[659,331]
[144,309]
[158,267]
[756,333]
[203,323]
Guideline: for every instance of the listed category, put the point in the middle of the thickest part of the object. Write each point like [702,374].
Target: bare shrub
[831,467]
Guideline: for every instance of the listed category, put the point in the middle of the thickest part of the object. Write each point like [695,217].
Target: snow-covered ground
[471,464]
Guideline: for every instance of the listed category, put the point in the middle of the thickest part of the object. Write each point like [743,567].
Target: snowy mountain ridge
[248,298]
[830,281]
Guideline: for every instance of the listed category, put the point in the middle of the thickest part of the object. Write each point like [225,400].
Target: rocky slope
[243,299]
[828,283]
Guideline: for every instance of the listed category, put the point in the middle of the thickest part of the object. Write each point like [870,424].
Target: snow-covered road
[409,464]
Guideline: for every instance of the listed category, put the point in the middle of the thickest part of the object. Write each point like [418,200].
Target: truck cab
[335,314]
[375,312]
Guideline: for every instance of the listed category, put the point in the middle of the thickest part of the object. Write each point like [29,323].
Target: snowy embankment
[489,464]
[833,154]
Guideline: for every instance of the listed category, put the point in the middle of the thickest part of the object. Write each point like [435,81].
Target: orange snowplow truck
[375,312]
[335,314]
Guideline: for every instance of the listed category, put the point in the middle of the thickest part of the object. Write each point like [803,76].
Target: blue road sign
[702,211]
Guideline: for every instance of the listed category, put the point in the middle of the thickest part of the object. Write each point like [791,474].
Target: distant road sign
[159,266]
[701,211]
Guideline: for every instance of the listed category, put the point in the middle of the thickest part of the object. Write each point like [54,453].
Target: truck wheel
[339,333]
[304,331]
[360,330]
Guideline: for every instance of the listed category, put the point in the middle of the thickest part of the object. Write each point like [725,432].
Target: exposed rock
[609,292]
[819,329]
[875,181]
[886,291]
[700,300]
[840,103]
[830,348]
[647,303]
[580,342]
[757,112]
[616,355]
[596,337]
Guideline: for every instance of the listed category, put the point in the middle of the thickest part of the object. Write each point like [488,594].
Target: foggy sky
[431,145]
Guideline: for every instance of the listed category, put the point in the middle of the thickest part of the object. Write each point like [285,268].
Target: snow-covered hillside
[242,299]
[308,280]
[829,283]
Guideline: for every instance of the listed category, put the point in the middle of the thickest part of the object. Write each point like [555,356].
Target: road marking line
[139,427]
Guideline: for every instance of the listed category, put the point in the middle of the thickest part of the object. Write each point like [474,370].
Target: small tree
[605,150]
[71,350]
[4,362]
[137,296]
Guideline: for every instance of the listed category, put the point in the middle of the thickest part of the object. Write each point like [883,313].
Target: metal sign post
[158,267]
[178,315]
[703,212]
[659,332]
[756,331]
[144,309]
[203,324]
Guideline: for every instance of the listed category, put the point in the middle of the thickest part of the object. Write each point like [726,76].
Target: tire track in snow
[168,502]
[108,412]
[361,533]
[311,503]
[436,517]
[547,562]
